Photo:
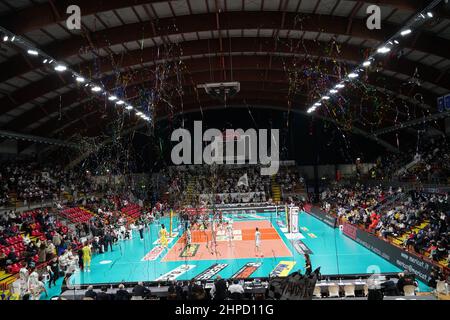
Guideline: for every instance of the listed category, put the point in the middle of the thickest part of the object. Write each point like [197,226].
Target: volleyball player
[229,233]
[258,243]
[188,238]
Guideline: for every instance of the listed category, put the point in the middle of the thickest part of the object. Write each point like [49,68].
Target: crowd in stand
[289,180]
[431,163]
[37,245]
[31,182]
[390,213]
[231,182]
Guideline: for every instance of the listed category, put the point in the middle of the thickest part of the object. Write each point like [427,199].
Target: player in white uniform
[258,243]
[188,237]
[229,231]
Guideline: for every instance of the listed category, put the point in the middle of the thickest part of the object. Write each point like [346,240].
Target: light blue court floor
[331,250]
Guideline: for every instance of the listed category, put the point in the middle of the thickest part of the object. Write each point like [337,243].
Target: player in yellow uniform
[87,254]
[163,237]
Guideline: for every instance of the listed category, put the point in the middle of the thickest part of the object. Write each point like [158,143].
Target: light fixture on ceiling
[430,14]
[129,107]
[80,79]
[60,68]
[96,89]
[367,63]
[333,91]
[112,98]
[383,50]
[120,102]
[353,75]
[32,52]
[325,98]
[340,86]
[405,32]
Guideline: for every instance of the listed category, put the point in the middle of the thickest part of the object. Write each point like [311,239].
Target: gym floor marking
[244,247]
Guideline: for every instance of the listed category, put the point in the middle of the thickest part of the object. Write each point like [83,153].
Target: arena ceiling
[254,42]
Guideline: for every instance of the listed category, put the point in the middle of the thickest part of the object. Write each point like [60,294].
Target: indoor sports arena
[224,150]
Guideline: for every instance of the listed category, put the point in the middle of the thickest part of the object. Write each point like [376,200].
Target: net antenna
[221,91]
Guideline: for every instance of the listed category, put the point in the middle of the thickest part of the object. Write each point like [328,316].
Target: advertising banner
[175,273]
[282,269]
[321,215]
[402,259]
[246,271]
[211,271]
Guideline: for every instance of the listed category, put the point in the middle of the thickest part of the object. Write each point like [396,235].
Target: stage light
[325,98]
[112,98]
[317,104]
[405,32]
[367,63]
[120,102]
[384,50]
[340,86]
[45,61]
[430,14]
[396,42]
[96,89]
[13,38]
[60,68]
[139,113]
[333,91]
[353,75]
[5,38]
[33,52]
[80,79]
[129,108]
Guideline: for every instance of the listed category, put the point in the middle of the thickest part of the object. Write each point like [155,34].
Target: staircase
[401,239]
[276,191]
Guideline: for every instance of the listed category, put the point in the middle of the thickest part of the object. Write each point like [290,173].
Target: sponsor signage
[248,210]
[175,273]
[322,216]
[402,259]
[211,271]
[283,269]
[350,231]
[153,254]
[246,271]
[190,251]
[293,219]
[301,247]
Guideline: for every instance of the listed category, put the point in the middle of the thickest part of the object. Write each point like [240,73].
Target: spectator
[140,291]
[122,294]
[90,293]
[103,294]
[219,289]
[236,290]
